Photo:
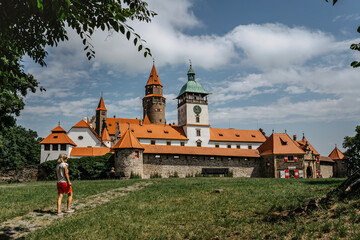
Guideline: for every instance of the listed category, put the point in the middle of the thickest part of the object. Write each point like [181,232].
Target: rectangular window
[55,147]
[291,158]
[198,144]
[47,147]
[229,146]
[238,146]
[168,143]
[152,142]
[217,145]
[249,146]
[176,156]
[137,154]
[197,118]
[63,147]
[198,132]
[182,143]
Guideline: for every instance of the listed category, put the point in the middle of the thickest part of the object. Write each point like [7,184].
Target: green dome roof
[192,87]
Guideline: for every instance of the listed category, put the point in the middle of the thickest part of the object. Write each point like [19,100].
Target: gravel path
[23,225]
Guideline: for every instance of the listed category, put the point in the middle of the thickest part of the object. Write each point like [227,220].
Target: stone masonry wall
[27,174]
[327,170]
[126,162]
[183,165]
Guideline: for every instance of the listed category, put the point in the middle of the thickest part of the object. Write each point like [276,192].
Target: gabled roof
[301,144]
[279,143]
[326,159]
[235,135]
[58,129]
[337,154]
[146,131]
[58,136]
[83,124]
[101,105]
[128,140]
[228,152]
[105,135]
[89,151]
[153,78]
[146,120]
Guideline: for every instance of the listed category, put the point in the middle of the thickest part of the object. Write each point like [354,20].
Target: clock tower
[193,111]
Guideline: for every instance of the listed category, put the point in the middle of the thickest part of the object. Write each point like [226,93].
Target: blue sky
[278,65]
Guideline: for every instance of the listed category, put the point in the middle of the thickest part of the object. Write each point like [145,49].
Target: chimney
[294,137]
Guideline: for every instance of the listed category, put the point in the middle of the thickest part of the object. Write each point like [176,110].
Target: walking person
[63,183]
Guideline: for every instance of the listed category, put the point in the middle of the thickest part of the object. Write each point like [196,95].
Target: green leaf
[128,35]
[139,48]
[355,64]
[145,54]
[135,41]
[358,29]
[122,29]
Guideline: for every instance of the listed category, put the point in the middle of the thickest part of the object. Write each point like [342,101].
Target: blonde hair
[62,157]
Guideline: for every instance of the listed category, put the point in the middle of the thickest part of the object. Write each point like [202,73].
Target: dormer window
[55,137]
[237,135]
[166,132]
[149,131]
[283,142]
[220,134]
[253,136]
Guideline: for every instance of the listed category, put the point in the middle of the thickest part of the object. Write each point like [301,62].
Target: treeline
[19,147]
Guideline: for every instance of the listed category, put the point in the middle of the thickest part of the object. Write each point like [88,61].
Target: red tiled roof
[128,140]
[58,129]
[301,144]
[147,131]
[236,135]
[146,120]
[154,95]
[279,143]
[326,159]
[105,135]
[101,105]
[337,154]
[89,151]
[58,136]
[228,152]
[153,78]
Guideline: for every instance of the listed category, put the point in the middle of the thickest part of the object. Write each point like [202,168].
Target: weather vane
[153,60]
[190,62]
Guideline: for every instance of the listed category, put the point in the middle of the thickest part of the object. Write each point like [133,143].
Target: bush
[85,168]
[155,175]
[175,175]
[229,174]
[134,176]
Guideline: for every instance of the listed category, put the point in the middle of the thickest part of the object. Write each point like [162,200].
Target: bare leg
[69,200]
[59,202]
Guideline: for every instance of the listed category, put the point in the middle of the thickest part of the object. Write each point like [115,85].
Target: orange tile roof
[235,135]
[146,120]
[83,124]
[105,135]
[147,131]
[154,95]
[326,159]
[228,152]
[89,151]
[153,78]
[301,144]
[128,140]
[58,129]
[58,136]
[279,143]
[337,154]
[101,105]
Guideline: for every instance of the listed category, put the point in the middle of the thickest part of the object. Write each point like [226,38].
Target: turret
[101,117]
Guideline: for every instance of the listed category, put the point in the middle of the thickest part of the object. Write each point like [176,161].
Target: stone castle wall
[27,174]
[327,170]
[187,165]
[126,162]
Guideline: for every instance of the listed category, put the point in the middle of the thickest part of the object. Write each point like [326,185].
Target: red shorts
[64,188]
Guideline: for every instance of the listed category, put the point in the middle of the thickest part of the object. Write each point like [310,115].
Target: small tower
[193,111]
[105,138]
[154,101]
[128,155]
[101,112]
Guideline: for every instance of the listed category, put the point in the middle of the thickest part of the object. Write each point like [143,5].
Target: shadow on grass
[8,232]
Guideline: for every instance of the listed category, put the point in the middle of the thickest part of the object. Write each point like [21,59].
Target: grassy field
[191,209]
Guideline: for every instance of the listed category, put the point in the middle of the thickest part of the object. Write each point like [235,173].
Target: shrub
[155,175]
[188,175]
[229,174]
[85,168]
[134,176]
[175,175]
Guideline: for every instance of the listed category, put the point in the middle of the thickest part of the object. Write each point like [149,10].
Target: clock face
[197,109]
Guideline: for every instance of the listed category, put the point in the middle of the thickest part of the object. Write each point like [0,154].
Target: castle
[151,147]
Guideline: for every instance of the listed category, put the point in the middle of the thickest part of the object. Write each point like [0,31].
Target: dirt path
[23,225]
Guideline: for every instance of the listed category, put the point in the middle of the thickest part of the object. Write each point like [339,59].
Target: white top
[60,172]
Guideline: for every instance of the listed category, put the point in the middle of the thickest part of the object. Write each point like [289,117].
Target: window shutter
[285,159]
[295,158]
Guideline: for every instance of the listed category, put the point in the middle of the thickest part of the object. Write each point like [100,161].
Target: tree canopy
[352,145]
[354,46]
[28,26]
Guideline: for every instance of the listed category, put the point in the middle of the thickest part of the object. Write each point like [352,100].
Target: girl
[63,183]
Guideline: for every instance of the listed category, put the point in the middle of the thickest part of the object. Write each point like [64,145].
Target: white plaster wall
[191,135]
[89,139]
[243,145]
[186,114]
[162,141]
[52,155]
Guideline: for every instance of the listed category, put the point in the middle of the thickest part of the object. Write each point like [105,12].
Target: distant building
[151,146]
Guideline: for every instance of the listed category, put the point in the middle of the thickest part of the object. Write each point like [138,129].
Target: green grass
[189,208]
[20,198]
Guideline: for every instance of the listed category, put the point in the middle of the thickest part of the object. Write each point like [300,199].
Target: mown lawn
[190,209]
